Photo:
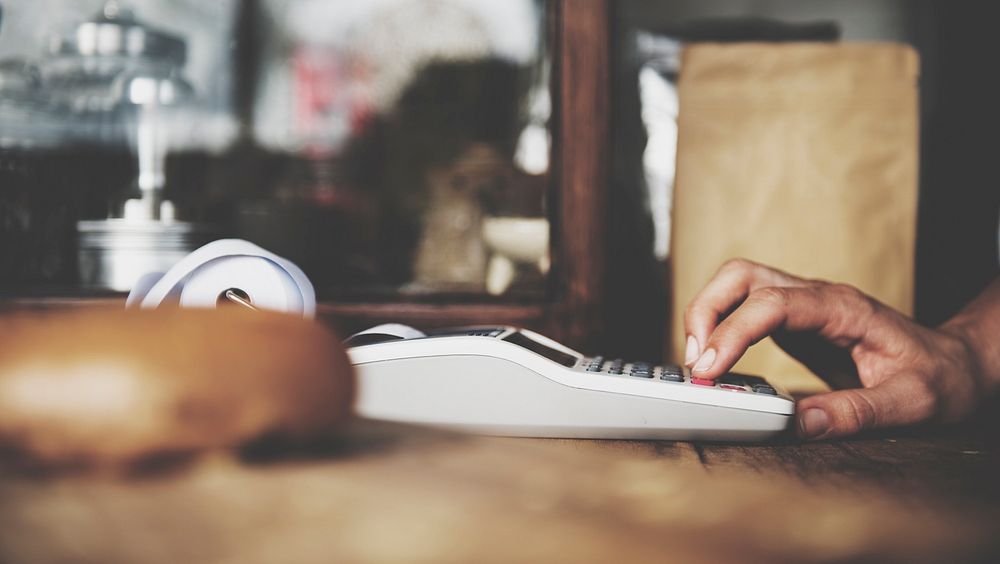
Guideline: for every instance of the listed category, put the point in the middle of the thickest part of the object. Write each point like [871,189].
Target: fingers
[754,302]
[838,313]
[898,401]
[734,281]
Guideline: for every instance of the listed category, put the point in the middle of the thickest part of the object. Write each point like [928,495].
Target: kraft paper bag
[800,156]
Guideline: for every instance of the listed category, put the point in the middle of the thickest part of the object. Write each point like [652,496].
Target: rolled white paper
[200,278]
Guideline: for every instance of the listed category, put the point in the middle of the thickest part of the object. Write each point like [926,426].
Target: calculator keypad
[672,373]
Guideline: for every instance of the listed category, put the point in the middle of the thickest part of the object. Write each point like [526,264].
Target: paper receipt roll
[200,279]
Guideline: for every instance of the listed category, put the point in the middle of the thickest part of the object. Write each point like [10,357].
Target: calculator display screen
[536,347]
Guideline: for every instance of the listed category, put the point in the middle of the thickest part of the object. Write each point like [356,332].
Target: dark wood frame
[572,311]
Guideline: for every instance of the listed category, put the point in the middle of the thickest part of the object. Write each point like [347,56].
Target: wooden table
[382,492]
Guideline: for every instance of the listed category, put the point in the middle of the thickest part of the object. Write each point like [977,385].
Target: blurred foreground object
[106,388]
[394,493]
[803,156]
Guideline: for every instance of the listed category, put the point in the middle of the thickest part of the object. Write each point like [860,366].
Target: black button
[642,374]
[672,377]
[672,369]
[732,379]
[752,380]
[761,389]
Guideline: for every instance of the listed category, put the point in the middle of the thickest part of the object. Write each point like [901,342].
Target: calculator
[510,381]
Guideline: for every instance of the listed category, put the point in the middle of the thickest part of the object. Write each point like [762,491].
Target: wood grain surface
[391,493]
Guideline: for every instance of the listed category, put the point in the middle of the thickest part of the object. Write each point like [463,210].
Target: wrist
[982,353]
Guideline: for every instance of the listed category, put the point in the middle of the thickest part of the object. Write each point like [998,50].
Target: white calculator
[514,382]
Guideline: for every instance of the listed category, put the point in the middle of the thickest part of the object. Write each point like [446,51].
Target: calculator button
[732,387]
[764,389]
[672,377]
[642,374]
[753,380]
[732,379]
[702,382]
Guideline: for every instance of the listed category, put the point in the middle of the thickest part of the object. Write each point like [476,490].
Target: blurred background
[959,120]
[406,151]
[389,148]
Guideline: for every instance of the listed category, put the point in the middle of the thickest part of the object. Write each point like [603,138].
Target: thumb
[897,401]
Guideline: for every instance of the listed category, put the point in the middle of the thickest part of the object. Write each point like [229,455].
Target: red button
[702,382]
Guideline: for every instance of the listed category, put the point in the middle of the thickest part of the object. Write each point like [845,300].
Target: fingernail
[813,423]
[691,352]
[705,362]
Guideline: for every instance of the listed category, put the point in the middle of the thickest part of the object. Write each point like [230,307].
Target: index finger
[839,314]
[730,286]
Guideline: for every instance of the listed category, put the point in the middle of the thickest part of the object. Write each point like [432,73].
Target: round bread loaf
[117,387]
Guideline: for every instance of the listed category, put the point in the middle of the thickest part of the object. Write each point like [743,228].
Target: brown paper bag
[800,156]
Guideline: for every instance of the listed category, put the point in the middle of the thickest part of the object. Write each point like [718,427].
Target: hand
[908,373]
